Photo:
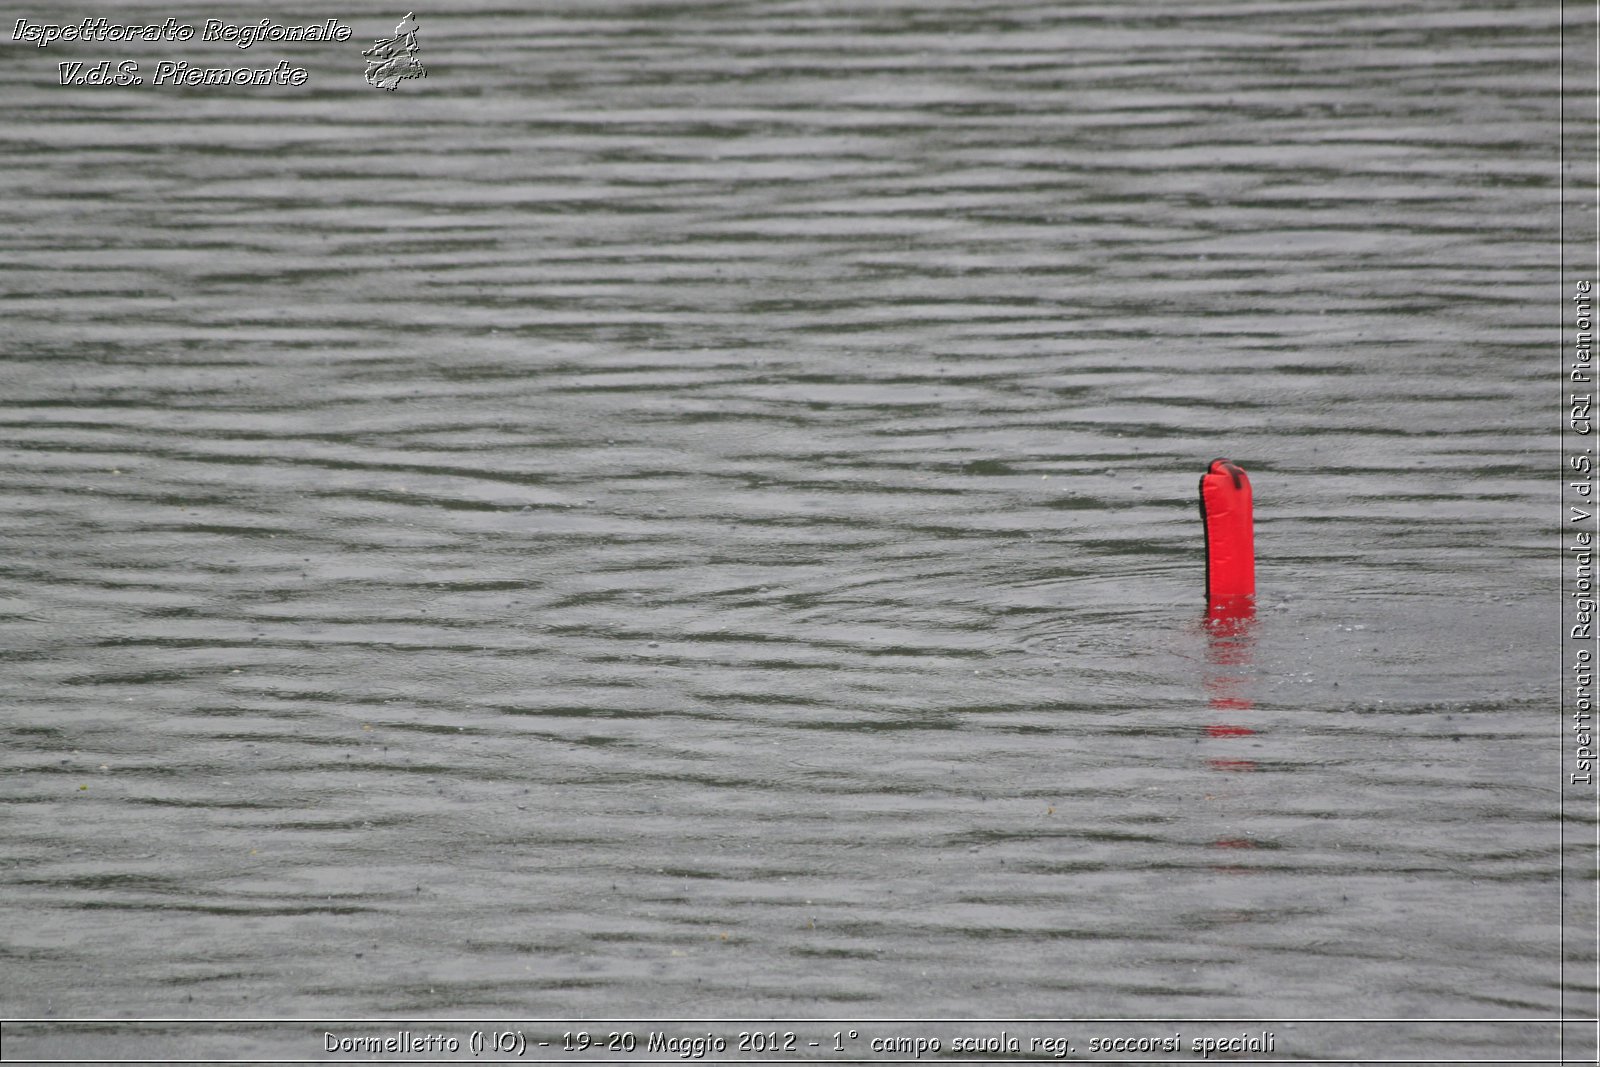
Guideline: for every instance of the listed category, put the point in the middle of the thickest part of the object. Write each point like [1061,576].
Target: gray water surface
[689,510]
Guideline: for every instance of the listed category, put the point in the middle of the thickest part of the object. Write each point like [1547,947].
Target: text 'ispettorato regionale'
[243,34]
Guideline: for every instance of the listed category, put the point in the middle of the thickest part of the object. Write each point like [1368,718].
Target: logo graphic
[391,60]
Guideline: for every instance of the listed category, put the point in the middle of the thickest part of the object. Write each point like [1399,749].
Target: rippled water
[690,510]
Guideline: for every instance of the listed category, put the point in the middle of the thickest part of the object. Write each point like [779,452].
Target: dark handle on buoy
[1225,511]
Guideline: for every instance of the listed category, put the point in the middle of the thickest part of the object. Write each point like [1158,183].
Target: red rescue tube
[1226,514]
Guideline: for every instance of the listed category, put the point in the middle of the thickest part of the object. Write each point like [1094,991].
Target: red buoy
[1230,532]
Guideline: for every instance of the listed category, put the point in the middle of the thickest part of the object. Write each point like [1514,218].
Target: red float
[1225,511]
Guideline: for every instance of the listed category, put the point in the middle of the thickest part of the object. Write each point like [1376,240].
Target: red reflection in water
[1230,643]
[1230,649]
[1231,619]
[1233,842]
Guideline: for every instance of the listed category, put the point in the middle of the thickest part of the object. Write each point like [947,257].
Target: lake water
[689,511]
